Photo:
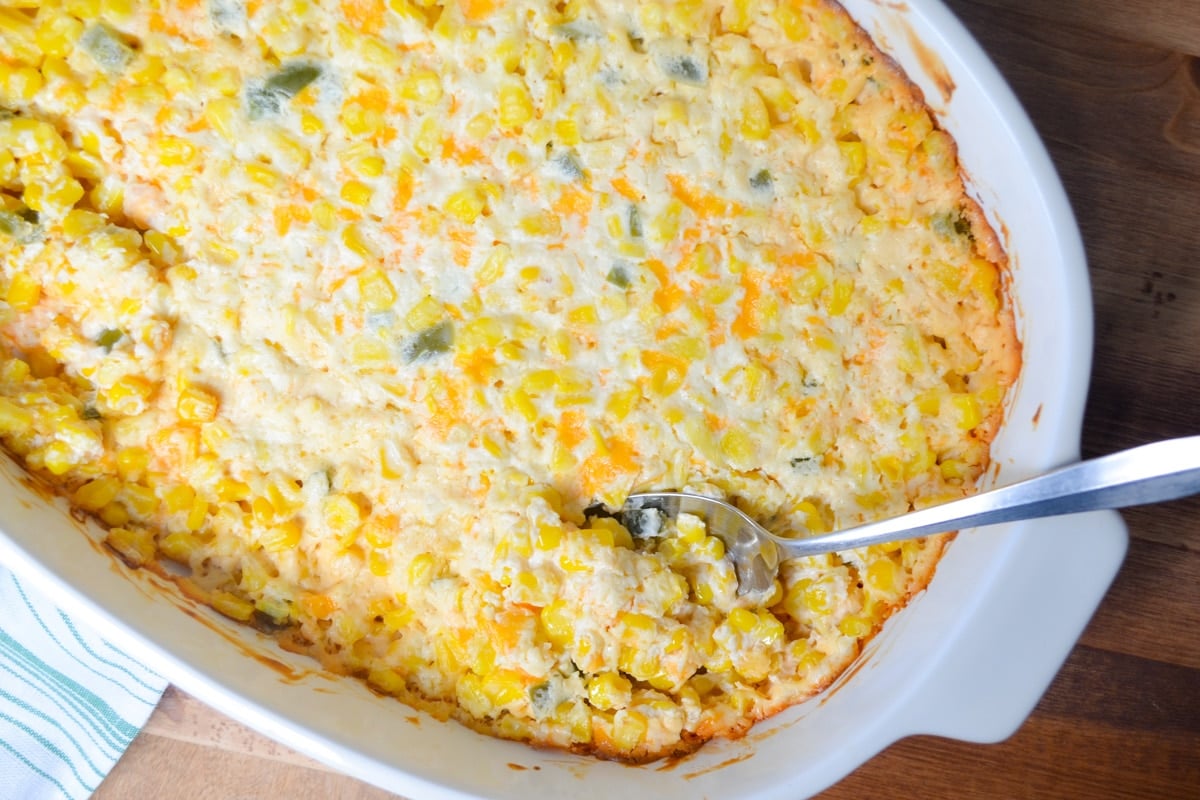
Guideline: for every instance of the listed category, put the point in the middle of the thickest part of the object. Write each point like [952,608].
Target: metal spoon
[1151,473]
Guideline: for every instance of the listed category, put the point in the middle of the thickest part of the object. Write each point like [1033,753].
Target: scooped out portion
[352,311]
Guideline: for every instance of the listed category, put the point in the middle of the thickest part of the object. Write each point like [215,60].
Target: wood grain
[1113,87]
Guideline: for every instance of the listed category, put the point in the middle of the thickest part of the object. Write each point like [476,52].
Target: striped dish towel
[70,702]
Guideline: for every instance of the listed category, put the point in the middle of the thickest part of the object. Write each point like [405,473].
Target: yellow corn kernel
[839,298]
[178,498]
[421,569]
[756,119]
[197,405]
[263,175]
[57,33]
[379,564]
[141,500]
[174,151]
[567,132]
[743,620]
[79,223]
[425,314]
[232,606]
[20,84]
[57,457]
[465,205]
[428,140]
[132,462]
[23,292]
[558,623]
[548,536]
[220,114]
[609,690]
[541,224]
[357,242]
[114,515]
[421,86]
[967,410]
[629,729]
[855,154]
[14,420]
[376,290]
[583,315]
[357,193]
[397,618]
[95,495]
[342,514]
[515,105]
[179,546]
[128,395]
[854,626]
[134,545]
[519,400]
[370,166]
[883,575]
[281,537]
[196,514]
[380,531]
[739,448]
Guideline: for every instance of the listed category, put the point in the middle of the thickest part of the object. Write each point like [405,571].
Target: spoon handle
[1151,473]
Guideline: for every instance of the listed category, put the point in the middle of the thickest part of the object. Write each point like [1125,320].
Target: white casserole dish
[967,659]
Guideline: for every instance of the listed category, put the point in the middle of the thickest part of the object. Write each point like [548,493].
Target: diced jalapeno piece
[541,697]
[620,276]
[109,337]
[950,224]
[579,30]
[644,523]
[227,15]
[426,344]
[104,45]
[684,68]
[270,96]
[762,181]
[568,164]
[635,223]
[21,226]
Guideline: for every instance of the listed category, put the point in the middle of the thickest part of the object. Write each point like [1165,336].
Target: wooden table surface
[1114,89]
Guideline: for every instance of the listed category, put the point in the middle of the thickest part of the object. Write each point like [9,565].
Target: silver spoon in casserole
[1151,473]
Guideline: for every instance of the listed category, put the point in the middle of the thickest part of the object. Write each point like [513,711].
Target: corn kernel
[232,606]
[357,193]
[629,729]
[376,290]
[136,546]
[756,119]
[14,420]
[95,495]
[421,569]
[609,690]
[23,292]
[174,151]
[465,205]
[342,514]
[197,405]
[558,623]
[422,86]
[854,626]
[515,105]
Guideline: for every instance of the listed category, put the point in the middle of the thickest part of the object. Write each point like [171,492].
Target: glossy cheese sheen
[354,308]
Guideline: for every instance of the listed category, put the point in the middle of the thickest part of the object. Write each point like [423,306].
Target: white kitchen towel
[70,702]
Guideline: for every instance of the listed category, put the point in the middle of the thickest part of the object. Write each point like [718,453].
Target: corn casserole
[349,316]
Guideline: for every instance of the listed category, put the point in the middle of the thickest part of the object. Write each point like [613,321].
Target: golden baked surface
[353,308]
